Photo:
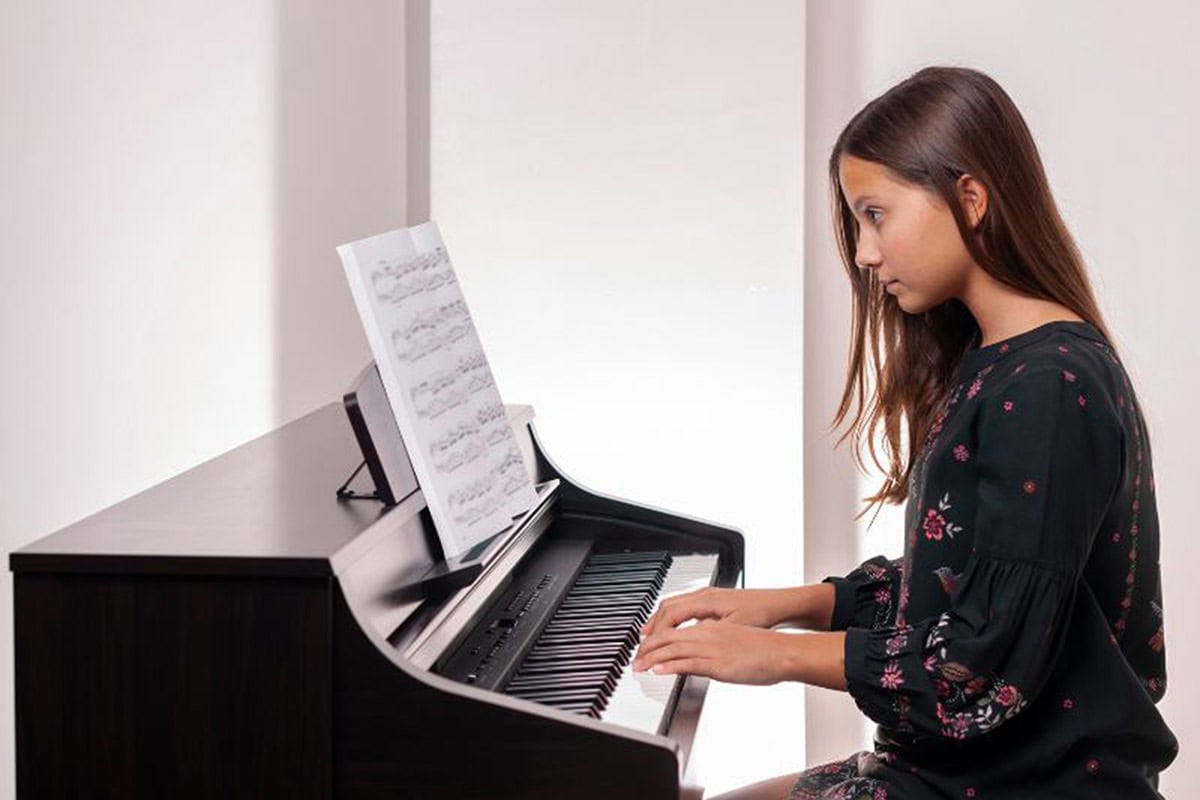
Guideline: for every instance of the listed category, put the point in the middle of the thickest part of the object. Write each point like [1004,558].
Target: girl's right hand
[760,608]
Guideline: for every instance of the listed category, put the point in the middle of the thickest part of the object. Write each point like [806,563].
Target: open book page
[438,384]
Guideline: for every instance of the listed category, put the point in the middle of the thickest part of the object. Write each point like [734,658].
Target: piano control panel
[487,656]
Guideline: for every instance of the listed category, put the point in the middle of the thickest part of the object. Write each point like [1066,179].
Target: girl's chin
[909,304]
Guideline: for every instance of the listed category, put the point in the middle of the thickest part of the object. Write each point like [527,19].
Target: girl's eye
[871,211]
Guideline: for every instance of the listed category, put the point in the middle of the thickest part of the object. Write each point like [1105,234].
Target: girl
[1016,650]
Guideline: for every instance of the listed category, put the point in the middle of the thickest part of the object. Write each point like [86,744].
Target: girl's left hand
[722,650]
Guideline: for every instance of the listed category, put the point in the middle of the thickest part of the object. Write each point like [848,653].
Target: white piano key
[640,699]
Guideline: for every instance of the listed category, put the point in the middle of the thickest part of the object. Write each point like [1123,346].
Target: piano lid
[264,508]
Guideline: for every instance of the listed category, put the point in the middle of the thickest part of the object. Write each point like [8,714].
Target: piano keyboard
[581,660]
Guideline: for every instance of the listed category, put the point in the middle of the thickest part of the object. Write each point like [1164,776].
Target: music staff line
[395,282]
[450,388]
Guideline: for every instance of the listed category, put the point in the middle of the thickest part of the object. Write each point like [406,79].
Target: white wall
[619,186]
[1108,90]
[176,176]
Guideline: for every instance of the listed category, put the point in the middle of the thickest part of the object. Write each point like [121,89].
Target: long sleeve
[866,596]
[1048,457]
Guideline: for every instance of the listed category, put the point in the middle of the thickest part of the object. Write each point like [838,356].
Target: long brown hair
[929,130]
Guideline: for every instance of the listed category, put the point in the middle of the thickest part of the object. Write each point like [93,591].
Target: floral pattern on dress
[1119,625]
[840,780]
[958,686]
[936,525]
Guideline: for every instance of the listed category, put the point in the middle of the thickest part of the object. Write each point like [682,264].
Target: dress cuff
[865,658]
[844,596]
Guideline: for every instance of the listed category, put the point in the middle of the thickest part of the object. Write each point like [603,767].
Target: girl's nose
[866,254]
[867,258]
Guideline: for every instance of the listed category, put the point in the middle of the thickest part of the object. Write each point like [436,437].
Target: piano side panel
[150,686]
[394,732]
[683,531]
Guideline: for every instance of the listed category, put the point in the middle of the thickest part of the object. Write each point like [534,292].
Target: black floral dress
[1016,650]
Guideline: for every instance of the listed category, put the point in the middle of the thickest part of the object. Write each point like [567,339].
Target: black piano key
[591,624]
[610,594]
[585,709]
[592,688]
[623,610]
[627,558]
[552,645]
[566,697]
[546,657]
[607,591]
[617,602]
[605,601]
[604,569]
[603,681]
[626,638]
[598,582]
[563,667]
[648,575]
[596,619]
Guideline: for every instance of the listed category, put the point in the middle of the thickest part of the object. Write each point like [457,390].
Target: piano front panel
[399,731]
[132,686]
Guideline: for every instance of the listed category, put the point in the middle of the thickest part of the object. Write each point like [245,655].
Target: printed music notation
[439,384]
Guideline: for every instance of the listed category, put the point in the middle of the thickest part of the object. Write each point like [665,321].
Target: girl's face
[907,235]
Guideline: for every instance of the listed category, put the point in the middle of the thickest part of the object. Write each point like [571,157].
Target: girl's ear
[974,198]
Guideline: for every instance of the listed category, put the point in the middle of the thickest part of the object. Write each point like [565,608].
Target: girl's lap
[838,780]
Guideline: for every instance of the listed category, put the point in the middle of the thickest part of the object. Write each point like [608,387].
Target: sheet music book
[438,384]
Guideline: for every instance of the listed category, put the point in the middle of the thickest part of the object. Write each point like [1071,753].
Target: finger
[705,631]
[687,666]
[652,643]
[675,610]
[663,652]
[680,648]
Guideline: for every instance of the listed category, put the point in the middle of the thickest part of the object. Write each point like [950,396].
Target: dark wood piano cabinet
[236,631]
